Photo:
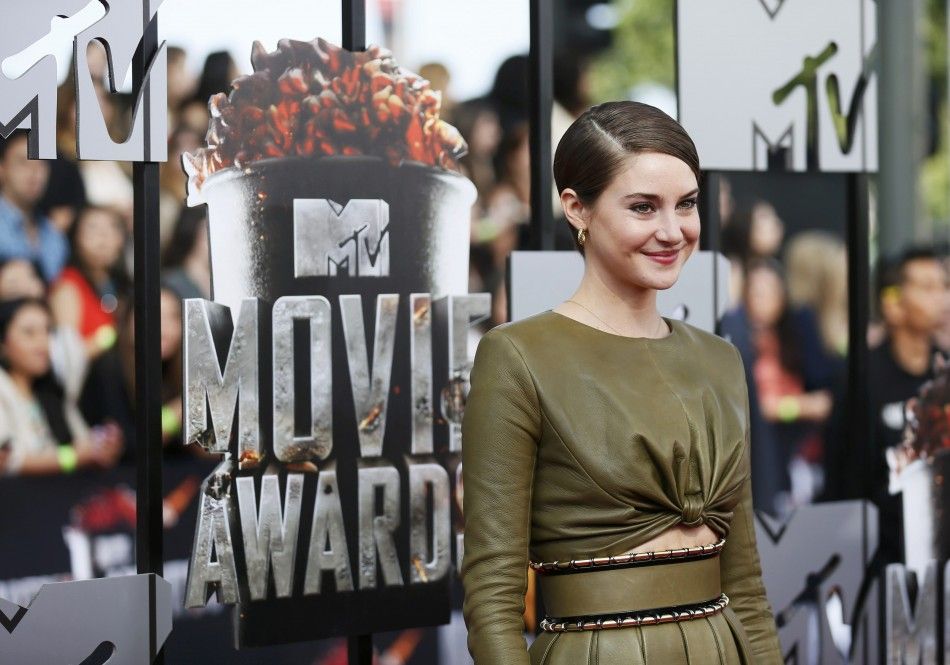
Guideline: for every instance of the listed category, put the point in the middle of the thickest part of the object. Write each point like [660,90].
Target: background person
[25,233]
[186,268]
[46,432]
[87,293]
[816,263]
[792,378]
[912,293]
[109,391]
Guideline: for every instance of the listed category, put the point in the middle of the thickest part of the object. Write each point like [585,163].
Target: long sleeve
[501,427]
[741,572]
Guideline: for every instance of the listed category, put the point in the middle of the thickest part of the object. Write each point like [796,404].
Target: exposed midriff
[678,536]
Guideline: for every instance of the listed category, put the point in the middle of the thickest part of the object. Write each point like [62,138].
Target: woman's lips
[664,258]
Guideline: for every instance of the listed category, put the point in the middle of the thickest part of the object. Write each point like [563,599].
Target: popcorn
[927,429]
[315,99]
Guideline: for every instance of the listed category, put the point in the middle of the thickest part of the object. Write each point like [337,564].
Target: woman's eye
[688,204]
[642,208]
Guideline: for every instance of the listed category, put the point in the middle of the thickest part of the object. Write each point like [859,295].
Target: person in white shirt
[40,426]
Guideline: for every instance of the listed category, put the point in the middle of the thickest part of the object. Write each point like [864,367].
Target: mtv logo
[331,239]
[108,621]
[822,554]
[33,94]
[779,84]
[29,100]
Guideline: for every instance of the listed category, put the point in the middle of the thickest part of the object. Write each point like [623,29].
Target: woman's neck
[629,309]
[98,276]
[912,351]
[22,382]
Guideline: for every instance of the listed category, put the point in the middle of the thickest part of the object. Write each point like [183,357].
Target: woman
[45,433]
[20,278]
[109,391]
[600,428]
[817,266]
[172,181]
[186,263]
[87,292]
[792,376]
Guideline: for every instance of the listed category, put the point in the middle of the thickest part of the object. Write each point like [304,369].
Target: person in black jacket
[912,295]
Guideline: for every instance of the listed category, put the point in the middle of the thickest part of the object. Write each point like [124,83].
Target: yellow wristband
[789,408]
[105,337]
[68,459]
[171,423]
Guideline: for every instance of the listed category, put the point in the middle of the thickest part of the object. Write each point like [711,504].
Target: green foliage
[642,51]
[935,173]
[935,178]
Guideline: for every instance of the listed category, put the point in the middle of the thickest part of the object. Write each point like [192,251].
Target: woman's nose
[669,230]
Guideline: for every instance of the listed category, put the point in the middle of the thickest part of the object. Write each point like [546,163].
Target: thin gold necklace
[662,322]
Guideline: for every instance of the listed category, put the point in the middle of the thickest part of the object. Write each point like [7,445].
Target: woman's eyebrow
[641,195]
[656,197]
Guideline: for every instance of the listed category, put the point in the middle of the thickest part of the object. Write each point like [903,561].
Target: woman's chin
[665,279]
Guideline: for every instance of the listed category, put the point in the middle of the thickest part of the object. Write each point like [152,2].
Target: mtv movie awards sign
[330,369]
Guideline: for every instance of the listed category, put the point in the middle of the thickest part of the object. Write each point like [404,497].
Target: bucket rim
[232,172]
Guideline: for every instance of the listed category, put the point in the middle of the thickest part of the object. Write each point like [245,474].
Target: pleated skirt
[715,640]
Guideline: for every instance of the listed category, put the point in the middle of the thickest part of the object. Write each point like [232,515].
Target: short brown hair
[593,149]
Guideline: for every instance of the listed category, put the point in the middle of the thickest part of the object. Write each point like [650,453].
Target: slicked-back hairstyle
[593,150]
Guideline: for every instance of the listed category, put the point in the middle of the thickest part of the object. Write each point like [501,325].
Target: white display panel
[542,280]
[748,73]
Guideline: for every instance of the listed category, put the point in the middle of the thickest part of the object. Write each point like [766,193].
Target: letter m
[911,637]
[212,393]
[33,94]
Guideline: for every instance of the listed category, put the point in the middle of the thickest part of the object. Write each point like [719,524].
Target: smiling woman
[607,447]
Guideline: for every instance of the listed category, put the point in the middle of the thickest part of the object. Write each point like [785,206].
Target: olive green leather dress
[577,443]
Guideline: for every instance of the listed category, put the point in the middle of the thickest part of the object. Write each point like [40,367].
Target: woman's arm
[85,454]
[500,430]
[66,305]
[742,583]
[741,571]
[812,406]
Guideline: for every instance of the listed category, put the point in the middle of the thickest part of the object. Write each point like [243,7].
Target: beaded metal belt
[630,589]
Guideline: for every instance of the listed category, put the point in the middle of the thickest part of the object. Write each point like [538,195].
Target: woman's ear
[574,209]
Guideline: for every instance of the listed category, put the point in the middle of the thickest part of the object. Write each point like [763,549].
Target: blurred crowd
[66,325]
[67,369]
[789,319]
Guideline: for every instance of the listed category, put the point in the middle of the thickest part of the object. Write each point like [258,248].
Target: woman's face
[99,239]
[645,224]
[171,324]
[768,230]
[26,345]
[765,297]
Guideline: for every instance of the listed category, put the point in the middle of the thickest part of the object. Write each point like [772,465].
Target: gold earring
[582,236]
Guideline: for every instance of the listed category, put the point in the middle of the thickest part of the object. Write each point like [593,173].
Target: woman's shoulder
[69,277]
[12,404]
[7,389]
[709,347]
[526,333]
